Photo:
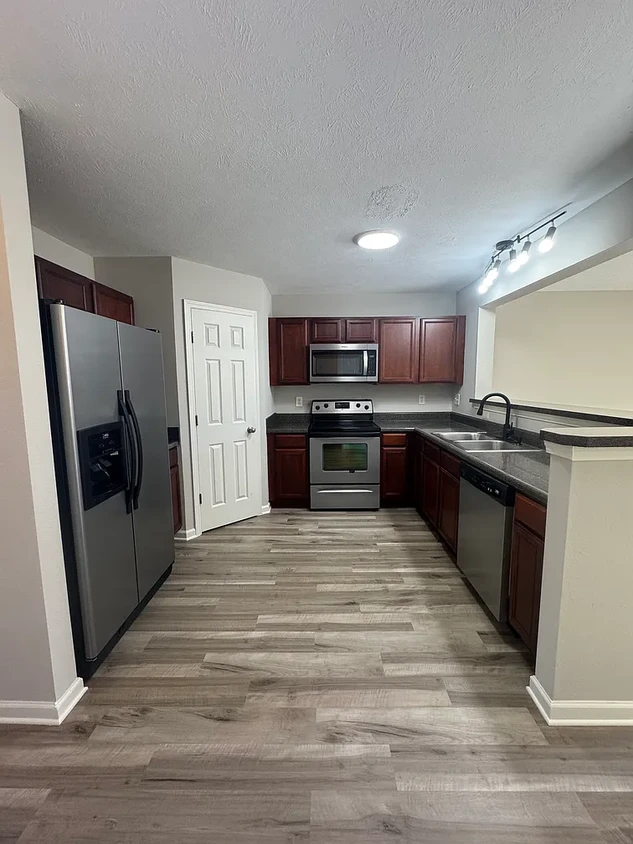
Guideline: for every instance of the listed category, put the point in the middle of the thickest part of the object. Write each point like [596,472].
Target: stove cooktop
[343,417]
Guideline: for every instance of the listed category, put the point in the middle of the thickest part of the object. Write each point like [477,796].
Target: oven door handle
[342,491]
[365,364]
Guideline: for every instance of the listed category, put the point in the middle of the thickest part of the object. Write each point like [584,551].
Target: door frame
[189,305]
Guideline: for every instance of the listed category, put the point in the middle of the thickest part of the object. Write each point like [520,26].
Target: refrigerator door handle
[139,446]
[130,450]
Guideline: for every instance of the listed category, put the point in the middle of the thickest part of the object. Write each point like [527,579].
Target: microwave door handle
[366,363]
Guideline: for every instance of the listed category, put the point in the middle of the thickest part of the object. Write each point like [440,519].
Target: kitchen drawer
[394,439]
[432,452]
[530,514]
[290,441]
[450,464]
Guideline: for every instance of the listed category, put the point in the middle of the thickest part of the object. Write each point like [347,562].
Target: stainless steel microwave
[343,362]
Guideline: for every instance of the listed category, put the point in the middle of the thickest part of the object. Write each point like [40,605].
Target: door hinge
[201,498]
[192,336]
[196,418]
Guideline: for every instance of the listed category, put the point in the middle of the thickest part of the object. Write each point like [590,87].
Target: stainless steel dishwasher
[485,534]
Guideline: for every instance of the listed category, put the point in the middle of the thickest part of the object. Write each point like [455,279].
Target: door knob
[251,430]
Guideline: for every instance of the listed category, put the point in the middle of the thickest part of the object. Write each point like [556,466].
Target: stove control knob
[366,407]
[326,405]
[357,404]
[318,407]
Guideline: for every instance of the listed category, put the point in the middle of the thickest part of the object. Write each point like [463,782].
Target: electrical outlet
[298,401]
[457,399]
[421,399]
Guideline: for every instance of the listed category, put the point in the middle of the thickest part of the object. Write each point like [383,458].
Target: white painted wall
[37,665]
[583,661]
[55,250]
[602,231]
[218,287]
[394,398]
[365,304]
[149,282]
[566,348]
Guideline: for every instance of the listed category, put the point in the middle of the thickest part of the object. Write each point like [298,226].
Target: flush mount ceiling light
[516,260]
[376,239]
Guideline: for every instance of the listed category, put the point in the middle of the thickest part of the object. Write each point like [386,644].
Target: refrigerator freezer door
[88,377]
[142,376]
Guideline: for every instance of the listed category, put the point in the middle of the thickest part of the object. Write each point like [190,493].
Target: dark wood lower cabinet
[526,569]
[174,475]
[288,484]
[430,490]
[395,474]
[448,509]
[418,472]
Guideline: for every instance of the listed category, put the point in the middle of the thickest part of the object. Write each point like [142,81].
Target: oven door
[345,460]
[343,363]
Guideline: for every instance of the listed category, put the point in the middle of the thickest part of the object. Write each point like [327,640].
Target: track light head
[524,254]
[514,263]
[548,241]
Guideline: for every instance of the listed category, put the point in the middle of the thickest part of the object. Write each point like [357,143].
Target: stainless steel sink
[492,445]
[465,436]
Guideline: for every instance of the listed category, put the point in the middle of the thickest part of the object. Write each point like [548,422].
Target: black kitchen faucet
[508,428]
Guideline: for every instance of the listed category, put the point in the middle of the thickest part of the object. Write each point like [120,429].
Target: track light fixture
[517,259]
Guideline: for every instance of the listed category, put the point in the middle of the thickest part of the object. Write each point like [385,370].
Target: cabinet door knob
[251,430]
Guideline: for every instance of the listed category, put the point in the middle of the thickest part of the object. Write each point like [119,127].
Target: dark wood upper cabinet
[288,470]
[113,304]
[398,360]
[361,330]
[324,330]
[526,569]
[54,282]
[442,350]
[288,350]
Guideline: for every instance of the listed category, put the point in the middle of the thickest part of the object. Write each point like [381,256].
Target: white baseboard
[265,509]
[580,713]
[42,712]
[186,535]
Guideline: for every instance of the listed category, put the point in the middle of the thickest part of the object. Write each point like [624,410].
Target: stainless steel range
[344,455]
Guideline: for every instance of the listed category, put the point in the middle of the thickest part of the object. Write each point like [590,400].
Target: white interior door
[225,371]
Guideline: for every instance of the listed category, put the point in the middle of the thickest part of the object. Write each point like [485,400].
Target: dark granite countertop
[526,471]
[174,444]
[620,437]
[288,423]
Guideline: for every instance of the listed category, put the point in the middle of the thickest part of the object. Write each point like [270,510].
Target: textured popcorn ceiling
[261,135]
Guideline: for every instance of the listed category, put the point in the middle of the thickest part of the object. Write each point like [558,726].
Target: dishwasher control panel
[503,493]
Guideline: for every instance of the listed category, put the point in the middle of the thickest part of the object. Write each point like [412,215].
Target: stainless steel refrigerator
[107,398]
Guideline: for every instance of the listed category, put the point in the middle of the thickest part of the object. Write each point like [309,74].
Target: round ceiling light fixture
[376,239]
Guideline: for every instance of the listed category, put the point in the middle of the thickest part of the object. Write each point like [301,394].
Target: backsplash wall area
[387,398]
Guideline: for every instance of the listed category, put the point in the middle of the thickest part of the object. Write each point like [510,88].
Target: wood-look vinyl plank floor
[314,678]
